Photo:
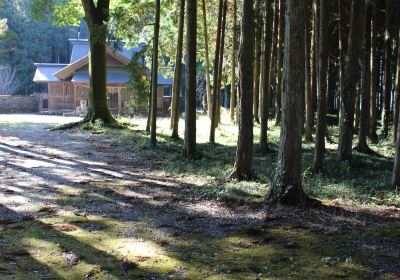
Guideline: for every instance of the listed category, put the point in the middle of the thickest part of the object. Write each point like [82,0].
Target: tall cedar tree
[221,62]
[207,59]
[154,75]
[97,17]
[244,152]
[362,145]
[177,75]
[190,97]
[397,97]
[322,85]
[387,83]
[374,72]
[309,112]
[233,73]
[257,62]
[280,22]
[313,70]
[396,168]
[346,122]
[287,183]
[265,86]
[215,90]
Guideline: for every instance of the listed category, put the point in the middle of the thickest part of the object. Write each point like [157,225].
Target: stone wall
[11,104]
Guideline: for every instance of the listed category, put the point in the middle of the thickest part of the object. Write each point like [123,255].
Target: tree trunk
[279,22]
[397,95]
[357,25]
[287,183]
[374,68]
[221,62]
[244,152]
[365,86]
[96,17]
[148,123]
[257,65]
[387,84]
[265,86]
[190,98]
[154,75]
[215,90]
[341,51]
[177,74]
[308,100]
[313,70]
[233,74]
[207,60]
[322,85]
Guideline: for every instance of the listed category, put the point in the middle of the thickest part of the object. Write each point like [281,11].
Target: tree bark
[279,22]
[233,74]
[397,95]
[207,59]
[265,86]
[190,98]
[351,72]
[215,90]
[244,153]
[387,84]
[257,64]
[221,62]
[96,17]
[374,68]
[365,85]
[309,113]
[313,70]
[154,75]
[322,85]
[177,74]
[287,183]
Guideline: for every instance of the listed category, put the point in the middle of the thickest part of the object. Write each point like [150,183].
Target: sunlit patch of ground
[100,204]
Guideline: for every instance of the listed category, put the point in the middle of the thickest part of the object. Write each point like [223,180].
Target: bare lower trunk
[190,97]
[357,27]
[265,87]
[322,86]
[215,90]
[279,23]
[207,59]
[244,152]
[365,86]
[387,84]
[257,65]
[233,74]
[287,183]
[177,75]
[396,96]
[373,114]
[154,75]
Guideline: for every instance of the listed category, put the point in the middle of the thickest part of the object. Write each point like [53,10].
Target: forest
[279,157]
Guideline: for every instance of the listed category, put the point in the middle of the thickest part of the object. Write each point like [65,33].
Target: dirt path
[77,205]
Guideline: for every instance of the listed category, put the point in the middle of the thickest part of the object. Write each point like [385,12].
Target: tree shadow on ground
[131,209]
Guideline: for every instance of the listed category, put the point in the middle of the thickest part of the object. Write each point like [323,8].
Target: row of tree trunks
[362,145]
[347,104]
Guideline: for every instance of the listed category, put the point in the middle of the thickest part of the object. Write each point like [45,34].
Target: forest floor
[99,204]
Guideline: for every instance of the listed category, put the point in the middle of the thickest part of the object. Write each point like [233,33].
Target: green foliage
[29,41]
[139,81]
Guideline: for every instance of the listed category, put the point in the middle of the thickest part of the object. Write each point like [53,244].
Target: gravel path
[40,167]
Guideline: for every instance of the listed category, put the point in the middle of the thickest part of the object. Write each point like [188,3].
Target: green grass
[366,181]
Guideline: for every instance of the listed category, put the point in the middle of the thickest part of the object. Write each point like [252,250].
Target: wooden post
[119,100]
